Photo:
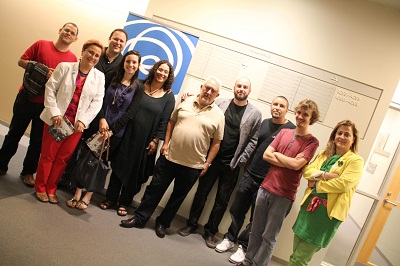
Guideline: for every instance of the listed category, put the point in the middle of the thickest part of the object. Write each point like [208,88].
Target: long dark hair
[168,83]
[121,71]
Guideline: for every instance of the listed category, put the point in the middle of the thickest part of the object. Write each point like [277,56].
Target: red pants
[53,160]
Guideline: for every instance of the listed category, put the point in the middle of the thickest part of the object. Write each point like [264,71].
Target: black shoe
[210,241]
[129,223]
[160,231]
[186,230]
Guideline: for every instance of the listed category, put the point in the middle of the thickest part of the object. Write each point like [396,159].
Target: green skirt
[315,227]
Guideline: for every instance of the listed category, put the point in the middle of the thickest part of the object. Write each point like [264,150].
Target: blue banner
[157,42]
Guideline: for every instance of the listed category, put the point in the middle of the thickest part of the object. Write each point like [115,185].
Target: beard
[240,98]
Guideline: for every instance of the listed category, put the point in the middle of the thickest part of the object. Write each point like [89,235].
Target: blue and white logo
[156,42]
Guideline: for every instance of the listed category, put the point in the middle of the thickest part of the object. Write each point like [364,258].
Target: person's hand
[152,147]
[106,134]
[103,125]
[317,174]
[299,156]
[164,148]
[51,70]
[312,184]
[57,120]
[206,166]
[79,127]
[185,95]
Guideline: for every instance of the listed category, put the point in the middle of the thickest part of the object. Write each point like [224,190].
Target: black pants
[227,179]
[245,198]
[164,173]
[24,112]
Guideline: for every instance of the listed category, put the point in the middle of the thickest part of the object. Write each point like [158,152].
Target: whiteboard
[271,75]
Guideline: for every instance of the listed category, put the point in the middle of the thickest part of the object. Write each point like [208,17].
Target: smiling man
[112,56]
[250,182]
[242,122]
[27,109]
[192,140]
[288,153]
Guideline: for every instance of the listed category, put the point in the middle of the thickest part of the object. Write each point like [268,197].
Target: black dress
[132,164]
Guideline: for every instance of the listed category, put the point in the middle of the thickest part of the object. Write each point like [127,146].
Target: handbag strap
[102,148]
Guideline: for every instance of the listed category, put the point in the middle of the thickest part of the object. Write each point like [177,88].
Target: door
[382,239]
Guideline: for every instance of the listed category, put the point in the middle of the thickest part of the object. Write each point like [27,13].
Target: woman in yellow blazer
[332,180]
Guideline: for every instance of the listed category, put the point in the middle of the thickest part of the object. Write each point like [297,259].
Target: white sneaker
[225,245]
[238,256]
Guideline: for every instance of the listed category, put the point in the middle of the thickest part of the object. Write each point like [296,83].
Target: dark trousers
[245,198]
[227,179]
[164,173]
[118,193]
[24,112]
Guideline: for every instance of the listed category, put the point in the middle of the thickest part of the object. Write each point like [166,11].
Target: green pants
[302,252]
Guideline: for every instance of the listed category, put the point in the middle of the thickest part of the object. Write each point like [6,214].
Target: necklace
[152,92]
[117,95]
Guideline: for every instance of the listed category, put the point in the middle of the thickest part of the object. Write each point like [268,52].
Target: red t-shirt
[282,181]
[46,53]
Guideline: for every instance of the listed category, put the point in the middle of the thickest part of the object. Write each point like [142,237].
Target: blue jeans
[269,214]
[164,173]
[24,112]
[227,179]
[245,198]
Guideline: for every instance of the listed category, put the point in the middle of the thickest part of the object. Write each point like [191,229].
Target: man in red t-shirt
[288,153]
[49,53]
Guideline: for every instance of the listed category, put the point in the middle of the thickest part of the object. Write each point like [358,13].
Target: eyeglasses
[92,53]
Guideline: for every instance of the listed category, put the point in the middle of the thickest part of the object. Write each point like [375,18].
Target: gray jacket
[249,126]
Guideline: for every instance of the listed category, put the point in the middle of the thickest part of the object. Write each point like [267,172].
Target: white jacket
[60,88]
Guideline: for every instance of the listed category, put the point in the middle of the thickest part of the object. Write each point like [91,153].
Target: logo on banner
[156,42]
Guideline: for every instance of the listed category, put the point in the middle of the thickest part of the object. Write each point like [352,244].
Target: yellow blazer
[340,190]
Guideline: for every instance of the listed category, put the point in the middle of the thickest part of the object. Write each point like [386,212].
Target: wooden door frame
[380,220]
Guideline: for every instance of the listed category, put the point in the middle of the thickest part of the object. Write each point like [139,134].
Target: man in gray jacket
[242,122]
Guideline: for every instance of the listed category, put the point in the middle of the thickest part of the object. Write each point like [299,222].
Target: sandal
[53,198]
[72,203]
[42,196]
[106,204]
[82,205]
[122,210]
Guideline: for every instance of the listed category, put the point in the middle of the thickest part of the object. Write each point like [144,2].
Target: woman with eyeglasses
[74,93]
[119,105]
[134,161]
[332,180]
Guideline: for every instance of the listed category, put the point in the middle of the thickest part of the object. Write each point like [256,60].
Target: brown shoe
[42,196]
[28,180]
[53,198]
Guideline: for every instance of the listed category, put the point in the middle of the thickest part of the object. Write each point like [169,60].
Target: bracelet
[209,164]
[156,142]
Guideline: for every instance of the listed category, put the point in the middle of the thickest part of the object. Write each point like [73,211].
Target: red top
[46,53]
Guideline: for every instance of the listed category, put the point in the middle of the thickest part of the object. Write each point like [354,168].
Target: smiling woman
[332,181]
[84,80]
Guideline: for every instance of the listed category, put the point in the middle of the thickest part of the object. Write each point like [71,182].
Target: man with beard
[242,122]
[192,141]
[246,192]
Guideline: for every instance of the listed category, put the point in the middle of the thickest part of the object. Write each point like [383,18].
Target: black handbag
[90,171]
[35,78]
